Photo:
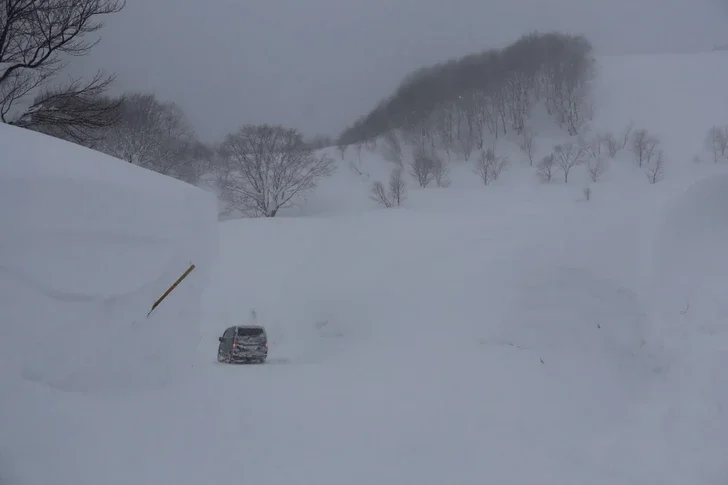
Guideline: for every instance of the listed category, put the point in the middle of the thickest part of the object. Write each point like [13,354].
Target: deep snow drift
[88,244]
[514,334]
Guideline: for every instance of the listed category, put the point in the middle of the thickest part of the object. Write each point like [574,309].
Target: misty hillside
[669,108]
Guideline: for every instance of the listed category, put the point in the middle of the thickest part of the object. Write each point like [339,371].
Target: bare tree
[717,142]
[36,37]
[380,196]
[489,166]
[610,143]
[78,112]
[397,186]
[643,145]
[441,171]
[154,135]
[656,168]
[268,168]
[482,166]
[568,156]
[423,166]
[499,164]
[546,168]
[526,144]
[614,145]
[392,148]
[397,189]
[596,163]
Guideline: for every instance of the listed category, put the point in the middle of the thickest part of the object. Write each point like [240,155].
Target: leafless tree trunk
[717,142]
[379,195]
[489,166]
[568,156]
[518,99]
[268,168]
[526,144]
[643,145]
[546,168]
[36,36]
[596,163]
[441,172]
[613,144]
[397,189]
[392,148]
[445,128]
[422,166]
[656,168]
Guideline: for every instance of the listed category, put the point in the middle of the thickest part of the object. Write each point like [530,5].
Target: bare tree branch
[77,112]
[35,37]
[596,162]
[568,156]
[656,167]
[717,142]
[546,168]
[489,166]
[422,166]
[397,190]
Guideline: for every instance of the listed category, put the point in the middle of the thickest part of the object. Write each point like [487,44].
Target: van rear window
[249,332]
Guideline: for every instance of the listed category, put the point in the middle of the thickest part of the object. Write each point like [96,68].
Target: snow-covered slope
[512,334]
[88,244]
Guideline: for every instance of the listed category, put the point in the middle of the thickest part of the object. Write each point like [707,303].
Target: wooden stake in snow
[171,288]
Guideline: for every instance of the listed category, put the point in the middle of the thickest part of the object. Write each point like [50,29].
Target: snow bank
[690,244]
[690,323]
[88,244]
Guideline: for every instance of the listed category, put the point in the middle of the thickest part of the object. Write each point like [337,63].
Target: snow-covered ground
[513,334]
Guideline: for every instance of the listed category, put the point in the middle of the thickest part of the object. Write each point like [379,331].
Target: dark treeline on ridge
[452,104]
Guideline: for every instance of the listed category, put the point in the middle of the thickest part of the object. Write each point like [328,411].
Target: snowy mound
[88,244]
[690,261]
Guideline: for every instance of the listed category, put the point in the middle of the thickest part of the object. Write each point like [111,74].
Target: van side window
[229,332]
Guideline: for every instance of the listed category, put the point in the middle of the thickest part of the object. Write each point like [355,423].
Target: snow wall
[87,245]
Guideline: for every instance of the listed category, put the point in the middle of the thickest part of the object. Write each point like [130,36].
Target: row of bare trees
[595,153]
[453,105]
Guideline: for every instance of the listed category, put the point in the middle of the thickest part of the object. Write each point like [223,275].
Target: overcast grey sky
[319,64]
